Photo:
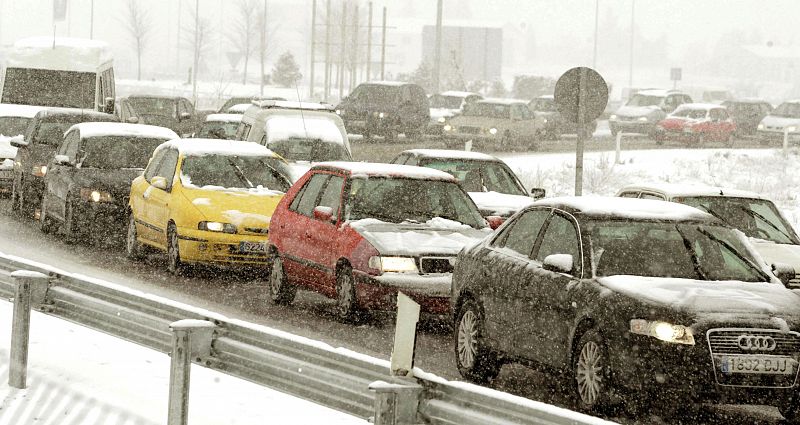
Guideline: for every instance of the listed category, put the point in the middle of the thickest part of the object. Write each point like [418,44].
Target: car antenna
[300,104]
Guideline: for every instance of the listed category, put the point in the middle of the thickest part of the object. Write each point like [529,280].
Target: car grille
[436,264]
[727,342]
[469,130]
[257,230]
[724,343]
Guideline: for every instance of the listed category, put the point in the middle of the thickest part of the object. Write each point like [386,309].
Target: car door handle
[308,234]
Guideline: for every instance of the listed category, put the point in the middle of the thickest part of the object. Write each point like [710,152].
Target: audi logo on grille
[757,343]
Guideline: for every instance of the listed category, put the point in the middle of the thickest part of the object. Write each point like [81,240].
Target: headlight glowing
[642,119]
[447,127]
[381,115]
[791,129]
[94,195]
[339,112]
[492,130]
[664,331]
[613,117]
[761,126]
[215,226]
[39,170]
[393,264]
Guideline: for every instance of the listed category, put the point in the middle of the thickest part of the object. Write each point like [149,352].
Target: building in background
[476,50]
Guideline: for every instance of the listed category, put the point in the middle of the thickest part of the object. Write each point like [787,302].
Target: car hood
[779,253]
[117,182]
[636,111]
[239,207]
[435,237]
[705,297]
[502,204]
[158,120]
[6,150]
[780,122]
[442,113]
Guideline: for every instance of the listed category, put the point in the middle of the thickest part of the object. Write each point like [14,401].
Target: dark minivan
[36,148]
[747,114]
[385,108]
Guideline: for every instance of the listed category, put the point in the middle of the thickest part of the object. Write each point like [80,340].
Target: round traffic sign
[569,101]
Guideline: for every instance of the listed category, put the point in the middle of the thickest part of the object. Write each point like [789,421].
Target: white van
[59,72]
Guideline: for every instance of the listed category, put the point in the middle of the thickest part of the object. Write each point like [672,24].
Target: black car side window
[400,159]
[561,237]
[629,195]
[332,195]
[521,235]
[310,193]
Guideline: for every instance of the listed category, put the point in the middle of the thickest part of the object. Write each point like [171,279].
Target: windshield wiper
[735,252]
[754,214]
[240,173]
[695,259]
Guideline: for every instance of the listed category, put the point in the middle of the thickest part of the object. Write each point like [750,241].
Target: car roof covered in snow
[200,147]
[24,111]
[502,101]
[456,93]
[62,53]
[699,106]
[103,129]
[658,92]
[547,97]
[370,169]
[240,108]
[452,154]
[387,83]
[154,96]
[675,190]
[223,117]
[63,112]
[293,104]
[626,208]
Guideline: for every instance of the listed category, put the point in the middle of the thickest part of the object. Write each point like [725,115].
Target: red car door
[295,248]
[322,236]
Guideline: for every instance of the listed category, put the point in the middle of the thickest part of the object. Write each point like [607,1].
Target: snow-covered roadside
[764,171]
[81,377]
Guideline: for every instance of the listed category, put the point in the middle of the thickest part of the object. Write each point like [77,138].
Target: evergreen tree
[286,71]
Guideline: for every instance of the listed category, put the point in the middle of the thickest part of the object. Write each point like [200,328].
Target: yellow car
[206,201]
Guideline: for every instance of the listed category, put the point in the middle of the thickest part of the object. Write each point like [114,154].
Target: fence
[311,370]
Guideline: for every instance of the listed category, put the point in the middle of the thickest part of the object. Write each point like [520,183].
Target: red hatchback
[698,123]
[360,232]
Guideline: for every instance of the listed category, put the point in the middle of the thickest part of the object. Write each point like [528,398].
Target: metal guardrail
[306,369]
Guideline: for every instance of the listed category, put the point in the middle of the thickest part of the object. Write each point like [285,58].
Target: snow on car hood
[698,296]
[636,111]
[437,113]
[238,207]
[6,150]
[437,236]
[502,204]
[778,253]
[780,122]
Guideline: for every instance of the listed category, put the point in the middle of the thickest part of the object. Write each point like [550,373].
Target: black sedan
[629,299]
[90,176]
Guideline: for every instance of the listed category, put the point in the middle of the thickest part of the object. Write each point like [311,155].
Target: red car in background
[360,232]
[698,123]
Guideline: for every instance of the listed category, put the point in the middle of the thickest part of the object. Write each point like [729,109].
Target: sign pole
[581,132]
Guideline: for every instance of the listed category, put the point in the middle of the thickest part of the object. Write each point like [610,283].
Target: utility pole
[596,19]
[327,49]
[263,45]
[383,46]
[196,49]
[369,44]
[91,21]
[630,69]
[354,56]
[178,42]
[437,50]
[340,74]
[313,46]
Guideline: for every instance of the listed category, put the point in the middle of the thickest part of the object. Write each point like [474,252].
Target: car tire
[729,141]
[281,292]
[346,302]
[174,263]
[475,361]
[46,224]
[68,226]
[133,248]
[590,372]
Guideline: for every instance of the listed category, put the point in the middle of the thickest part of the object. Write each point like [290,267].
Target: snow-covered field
[766,171]
[81,377]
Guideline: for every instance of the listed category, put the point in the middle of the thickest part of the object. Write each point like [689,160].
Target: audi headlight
[664,331]
[39,170]
[447,127]
[441,120]
[393,264]
[215,226]
[95,195]
[492,130]
[613,117]
[642,119]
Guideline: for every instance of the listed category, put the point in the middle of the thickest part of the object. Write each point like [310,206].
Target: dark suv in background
[385,108]
[36,148]
[173,112]
[747,113]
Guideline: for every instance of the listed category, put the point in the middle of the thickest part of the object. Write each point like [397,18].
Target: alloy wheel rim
[345,293]
[173,251]
[131,240]
[276,277]
[589,373]
[467,339]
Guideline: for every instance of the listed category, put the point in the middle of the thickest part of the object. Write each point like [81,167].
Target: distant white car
[14,120]
[644,110]
[752,213]
[220,126]
[446,105]
[784,118]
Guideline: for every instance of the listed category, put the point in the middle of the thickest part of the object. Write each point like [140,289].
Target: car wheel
[590,370]
[14,196]
[70,232]
[133,248]
[346,303]
[729,141]
[281,292]
[475,361]
[174,263]
[45,223]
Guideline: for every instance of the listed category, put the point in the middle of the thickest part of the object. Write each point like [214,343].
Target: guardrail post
[786,141]
[618,147]
[31,288]
[190,339]
[396,404]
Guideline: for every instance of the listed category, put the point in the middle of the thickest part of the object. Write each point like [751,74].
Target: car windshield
[644,100]
[377,94]
[153,106]
[218,130]
[544,105]
[312,150]
[690,113]
[117,152]
[13,126]
[400,200]
[787,110]
[235,172]
[479,176]
[756,218]
[447,102]
[488,110]
[658,249]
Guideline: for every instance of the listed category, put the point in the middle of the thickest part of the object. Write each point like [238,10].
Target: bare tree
[246,31]
[196,37]
[139,26]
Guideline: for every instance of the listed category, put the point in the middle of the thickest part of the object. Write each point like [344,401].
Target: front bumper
[642,127]
[767,136]
[6,179]
[100,215]
[430,291]
[199,246]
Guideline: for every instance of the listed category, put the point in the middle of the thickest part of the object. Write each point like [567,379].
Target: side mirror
[785,273]
[559,263]
[159,182]
[62,160]
[538,193]
[184,116]
[108,106]
[133,120]
[18,142]
[322,213]
[495,221]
